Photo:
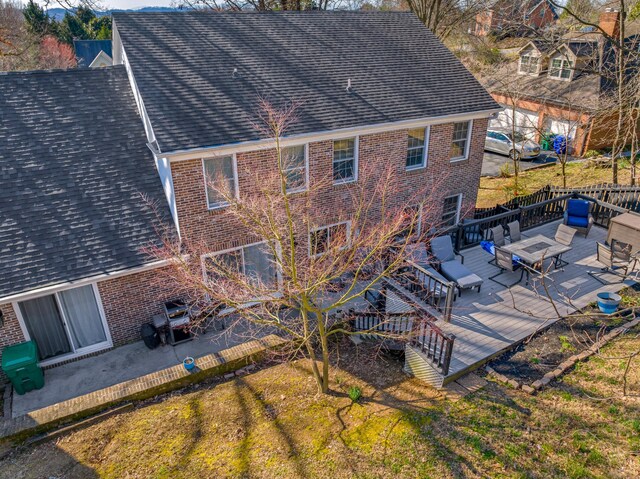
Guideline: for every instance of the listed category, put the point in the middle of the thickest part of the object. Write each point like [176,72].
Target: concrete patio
[117,366]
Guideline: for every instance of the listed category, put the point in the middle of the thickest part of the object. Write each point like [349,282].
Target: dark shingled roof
[73,163]
[184,64]
[87,50]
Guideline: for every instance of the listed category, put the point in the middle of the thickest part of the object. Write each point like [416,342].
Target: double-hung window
[417,148]
[528,64]
[345,160]
[451,210]
[254,261]
[294,166]
[560,68]
[221,181]
[460,141]
[326,237]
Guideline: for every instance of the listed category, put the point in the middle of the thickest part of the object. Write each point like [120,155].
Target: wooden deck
[493,320]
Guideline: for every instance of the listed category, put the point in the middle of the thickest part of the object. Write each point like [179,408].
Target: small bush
[355,393]
[592,154]
[565,343]
[505,171]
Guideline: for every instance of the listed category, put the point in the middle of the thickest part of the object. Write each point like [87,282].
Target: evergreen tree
[38,22]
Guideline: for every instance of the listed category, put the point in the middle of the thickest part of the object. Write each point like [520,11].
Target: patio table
[533,250]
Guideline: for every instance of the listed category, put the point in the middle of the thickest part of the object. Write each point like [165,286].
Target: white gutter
[82,282]
[245,146]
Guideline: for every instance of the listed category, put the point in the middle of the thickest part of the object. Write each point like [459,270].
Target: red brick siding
[10,332]
[132,300]
[220,231]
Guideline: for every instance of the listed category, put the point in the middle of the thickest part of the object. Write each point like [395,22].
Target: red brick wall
[132,300]
[220,231]
[10,333]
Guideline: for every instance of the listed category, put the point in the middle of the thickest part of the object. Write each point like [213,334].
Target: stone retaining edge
[143,387]
[569,363]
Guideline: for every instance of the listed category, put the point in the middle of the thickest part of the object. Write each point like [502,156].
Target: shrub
[592,154]
[355,393]
[505,171]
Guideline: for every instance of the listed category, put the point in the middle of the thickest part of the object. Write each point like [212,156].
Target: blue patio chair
[578,215]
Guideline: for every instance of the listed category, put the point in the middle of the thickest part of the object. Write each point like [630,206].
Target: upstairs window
[345,162]
[460,141]
[326,237]
[529,64]
[220,178]
[294,166]
[417,148]
[560,68]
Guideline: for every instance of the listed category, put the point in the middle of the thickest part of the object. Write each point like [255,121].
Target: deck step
[417,364]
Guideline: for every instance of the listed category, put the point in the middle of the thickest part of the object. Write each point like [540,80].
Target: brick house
[179,103]
[508,17]
[563,87]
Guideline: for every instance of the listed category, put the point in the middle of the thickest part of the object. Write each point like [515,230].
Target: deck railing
[416,329]
[427,287]
[434,344]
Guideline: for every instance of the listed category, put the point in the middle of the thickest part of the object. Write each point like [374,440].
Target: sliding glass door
[67,322]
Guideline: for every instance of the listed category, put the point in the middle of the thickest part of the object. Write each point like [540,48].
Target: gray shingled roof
[183,63]
[73,162]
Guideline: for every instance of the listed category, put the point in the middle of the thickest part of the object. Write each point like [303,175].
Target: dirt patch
[544,352]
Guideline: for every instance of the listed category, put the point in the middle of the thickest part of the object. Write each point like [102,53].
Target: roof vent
[349,84]
[235,73]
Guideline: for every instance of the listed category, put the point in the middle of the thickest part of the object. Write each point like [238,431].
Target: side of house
[513,18]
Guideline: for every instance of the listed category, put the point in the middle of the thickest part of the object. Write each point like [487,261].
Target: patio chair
[514,231]
[444,256]
[578,215]
[496,234]
[617,259]
[508,263]
[564,236]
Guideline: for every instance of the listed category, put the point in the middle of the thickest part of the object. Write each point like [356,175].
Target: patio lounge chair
[617,259]
[452,268]
[508,263]
[564,235]
[514,231]
[578,215]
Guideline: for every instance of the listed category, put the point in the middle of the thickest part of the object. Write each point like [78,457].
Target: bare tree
[443,16]
[299,274]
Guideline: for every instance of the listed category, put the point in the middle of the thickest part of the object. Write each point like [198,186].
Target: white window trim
[107,344]
[559,77]
[234,162]
[356,153]
[425,153]
[323,227]
[231,250]
[305,187]
[467,145]
[458,206]
[535,73]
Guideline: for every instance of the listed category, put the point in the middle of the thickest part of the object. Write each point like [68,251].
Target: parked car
[506,142]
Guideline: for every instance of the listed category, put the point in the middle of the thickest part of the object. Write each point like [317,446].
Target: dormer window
[529,64]
[560,69]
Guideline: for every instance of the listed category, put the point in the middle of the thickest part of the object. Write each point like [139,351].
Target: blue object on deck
[189,363]
[608,302]
[489,247]
[578,213]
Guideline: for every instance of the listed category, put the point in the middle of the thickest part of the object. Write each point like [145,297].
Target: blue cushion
[579,221]
[578,208]
[489,247]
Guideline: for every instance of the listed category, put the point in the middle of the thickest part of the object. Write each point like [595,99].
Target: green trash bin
[20,364]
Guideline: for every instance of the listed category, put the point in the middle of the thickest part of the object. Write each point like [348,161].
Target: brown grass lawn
[498,190]
[271,424]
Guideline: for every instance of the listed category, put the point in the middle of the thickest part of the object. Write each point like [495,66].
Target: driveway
[493,162]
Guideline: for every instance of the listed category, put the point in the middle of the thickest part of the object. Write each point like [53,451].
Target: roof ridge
[60,71]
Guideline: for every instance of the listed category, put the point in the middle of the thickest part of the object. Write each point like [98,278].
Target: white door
[526,122]
[561,127]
